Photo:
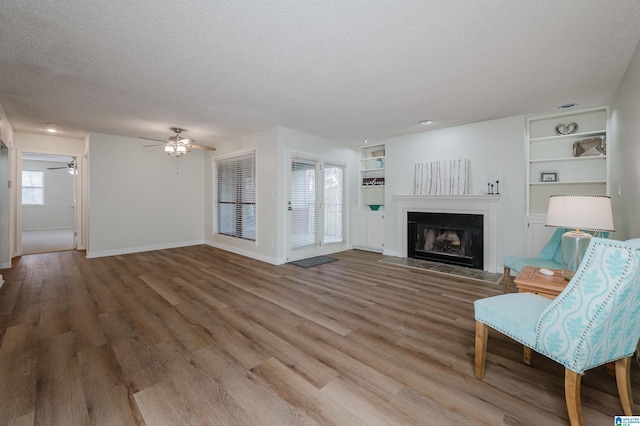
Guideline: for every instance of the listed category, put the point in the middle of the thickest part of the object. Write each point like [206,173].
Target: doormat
[313,261]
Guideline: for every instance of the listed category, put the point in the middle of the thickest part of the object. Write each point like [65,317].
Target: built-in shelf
[569,182]
[571,136]
[550,153]
[368,219]
[551,160]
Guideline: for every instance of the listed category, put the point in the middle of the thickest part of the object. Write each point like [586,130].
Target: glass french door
[315,205]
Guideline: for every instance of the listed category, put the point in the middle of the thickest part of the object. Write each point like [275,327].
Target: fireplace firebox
[451,238]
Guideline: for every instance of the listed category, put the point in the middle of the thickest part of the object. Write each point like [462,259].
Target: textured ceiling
[346,70]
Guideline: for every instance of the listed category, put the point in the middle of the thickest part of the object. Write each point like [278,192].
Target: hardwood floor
[200,336]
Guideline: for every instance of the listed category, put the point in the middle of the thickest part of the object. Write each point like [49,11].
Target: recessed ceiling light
[365,141]
[426,122]
[569,105]
[51,130]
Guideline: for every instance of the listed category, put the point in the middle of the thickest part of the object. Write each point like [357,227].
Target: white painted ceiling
[346,70]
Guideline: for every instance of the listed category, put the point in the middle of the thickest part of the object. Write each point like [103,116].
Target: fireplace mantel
[486,205]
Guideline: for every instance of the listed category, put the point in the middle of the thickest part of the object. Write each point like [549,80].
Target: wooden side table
[530,280]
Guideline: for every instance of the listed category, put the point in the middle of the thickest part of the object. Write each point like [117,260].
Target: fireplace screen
[445,237]
[446,241]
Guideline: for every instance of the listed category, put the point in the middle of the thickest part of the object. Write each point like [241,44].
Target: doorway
[316,191]
[47,203]
[5,202]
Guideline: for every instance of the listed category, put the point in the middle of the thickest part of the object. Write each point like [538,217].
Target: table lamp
[579,212]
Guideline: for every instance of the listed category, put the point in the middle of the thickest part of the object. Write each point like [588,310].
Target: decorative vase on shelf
[379,163]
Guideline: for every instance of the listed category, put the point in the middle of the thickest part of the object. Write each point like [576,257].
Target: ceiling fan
[71,167]
[178,145]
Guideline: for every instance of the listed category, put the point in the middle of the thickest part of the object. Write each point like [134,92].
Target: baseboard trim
[116,252]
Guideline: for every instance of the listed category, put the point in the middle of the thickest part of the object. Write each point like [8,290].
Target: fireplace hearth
[451,238]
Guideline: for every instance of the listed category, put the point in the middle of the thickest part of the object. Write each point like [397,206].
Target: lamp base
[574,245]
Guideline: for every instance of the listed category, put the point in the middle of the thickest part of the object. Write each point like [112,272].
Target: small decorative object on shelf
[549,176]
[566,129]
[372,181]
[490,188]
[378,153]
[494,176]
[374,207]
[379,163]
[590,147]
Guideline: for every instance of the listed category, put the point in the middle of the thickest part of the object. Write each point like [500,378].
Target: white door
[303,207]
[315,206]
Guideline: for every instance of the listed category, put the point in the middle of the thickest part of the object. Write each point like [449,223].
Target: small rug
[313,261]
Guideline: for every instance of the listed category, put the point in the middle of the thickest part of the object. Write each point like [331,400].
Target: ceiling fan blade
[155,144]
[206,148]
[57,168]
[151,139]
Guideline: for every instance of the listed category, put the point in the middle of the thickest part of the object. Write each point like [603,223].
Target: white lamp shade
[585,212]
[168,148]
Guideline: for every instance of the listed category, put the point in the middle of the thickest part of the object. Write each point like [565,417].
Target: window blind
[32,187]
[303,207]
[236,196]
[333,202]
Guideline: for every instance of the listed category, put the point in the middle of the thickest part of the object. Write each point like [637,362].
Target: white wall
[56,213]
[491,146]
[265,144]
[137,201]
[271,147]
[625,152]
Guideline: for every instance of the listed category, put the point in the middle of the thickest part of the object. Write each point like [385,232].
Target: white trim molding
[485,205]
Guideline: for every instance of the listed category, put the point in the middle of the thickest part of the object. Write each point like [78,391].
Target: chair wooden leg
[506,279]
[572,397]
[482,332]
[623,380]
[526,355]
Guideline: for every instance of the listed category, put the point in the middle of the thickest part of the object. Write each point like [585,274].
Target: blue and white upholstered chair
[594,321]
[550,257]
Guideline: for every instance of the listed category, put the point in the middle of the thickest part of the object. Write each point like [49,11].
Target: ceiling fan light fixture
[178,145]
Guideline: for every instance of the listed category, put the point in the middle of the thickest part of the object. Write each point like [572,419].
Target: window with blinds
[32,188]
[236,196]
[333,202]
[316,202]
[303,205]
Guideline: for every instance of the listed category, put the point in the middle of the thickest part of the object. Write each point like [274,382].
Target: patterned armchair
[594,321]
[550,257]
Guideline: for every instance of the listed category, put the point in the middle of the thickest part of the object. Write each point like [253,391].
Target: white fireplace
[485,205]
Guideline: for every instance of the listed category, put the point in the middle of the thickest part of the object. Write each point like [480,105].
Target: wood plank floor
[200,336]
